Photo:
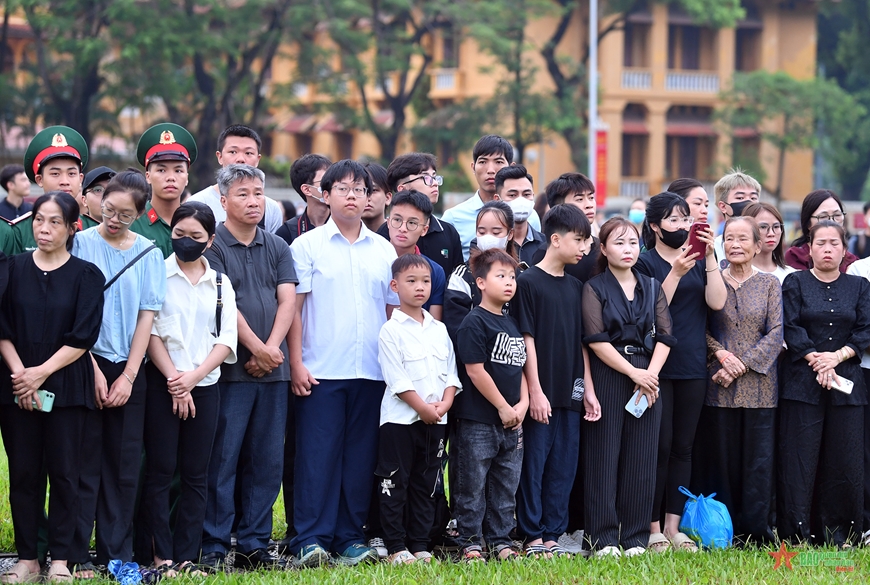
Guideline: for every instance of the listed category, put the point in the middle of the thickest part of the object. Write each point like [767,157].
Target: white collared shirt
[212,197]
[348,288]
[414,356]
[861,268]
[186,321]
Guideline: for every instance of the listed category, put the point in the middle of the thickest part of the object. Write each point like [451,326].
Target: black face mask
[738,206]
[187,249]
[674,239]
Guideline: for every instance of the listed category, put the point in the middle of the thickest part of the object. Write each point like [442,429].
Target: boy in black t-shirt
[488,441]
[548,309]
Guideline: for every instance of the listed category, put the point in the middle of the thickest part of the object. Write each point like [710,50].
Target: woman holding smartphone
[50,319]
[692,284]
[194,332]
[620,307]
[820,485]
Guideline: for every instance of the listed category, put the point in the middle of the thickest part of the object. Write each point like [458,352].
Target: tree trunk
[780,171]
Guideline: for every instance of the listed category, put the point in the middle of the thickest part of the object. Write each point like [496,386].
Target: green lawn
[738,567]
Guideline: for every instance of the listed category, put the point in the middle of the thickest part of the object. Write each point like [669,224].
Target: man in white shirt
[343,299]
[239,144]
[491,154]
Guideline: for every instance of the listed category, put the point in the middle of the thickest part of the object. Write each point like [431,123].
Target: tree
[569,73]
[788,114]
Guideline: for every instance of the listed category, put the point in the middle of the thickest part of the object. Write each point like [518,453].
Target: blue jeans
[549,466]
[251,423]
[336,454]
[487,460]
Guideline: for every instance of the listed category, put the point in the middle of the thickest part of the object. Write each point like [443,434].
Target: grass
[731,566]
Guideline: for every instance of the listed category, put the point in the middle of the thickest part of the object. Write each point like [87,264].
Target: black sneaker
[259,559]
[213,561]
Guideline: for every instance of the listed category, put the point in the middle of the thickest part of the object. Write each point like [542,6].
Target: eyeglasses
[428,180]
[772,227]
[837,217]
[124,218]
[675,221]
[98,190]
[397,222]
[342,191]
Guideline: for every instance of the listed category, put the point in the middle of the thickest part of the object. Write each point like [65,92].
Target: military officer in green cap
[54,160]
[166,151]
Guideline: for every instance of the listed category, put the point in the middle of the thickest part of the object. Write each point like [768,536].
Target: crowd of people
[511,379]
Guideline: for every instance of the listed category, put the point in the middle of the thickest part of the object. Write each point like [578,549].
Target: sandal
[658,543]
[504,552]
[58,573]
[424,556]
[472,554]
[19,573]
[683,543]
[402,557]
[85,567]
[557,551]
[538,551]
[189,568]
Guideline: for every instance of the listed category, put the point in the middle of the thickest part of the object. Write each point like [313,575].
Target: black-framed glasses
[428,180]
[397,222]
[98,190]
[124,218]
[836,217]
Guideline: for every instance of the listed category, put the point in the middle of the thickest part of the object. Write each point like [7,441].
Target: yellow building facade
[660,77]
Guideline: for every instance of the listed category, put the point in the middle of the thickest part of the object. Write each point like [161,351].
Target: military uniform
[162,142]
[52,142]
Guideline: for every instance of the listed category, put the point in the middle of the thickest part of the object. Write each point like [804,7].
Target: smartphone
[845,385]
[638,409]
[695,244]
[45,397]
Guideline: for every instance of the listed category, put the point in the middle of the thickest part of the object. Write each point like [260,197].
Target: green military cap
[54,142]
[166,141]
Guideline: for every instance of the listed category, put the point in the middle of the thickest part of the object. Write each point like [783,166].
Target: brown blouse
[750,327]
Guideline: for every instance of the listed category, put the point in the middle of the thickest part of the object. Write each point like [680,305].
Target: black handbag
[649,340]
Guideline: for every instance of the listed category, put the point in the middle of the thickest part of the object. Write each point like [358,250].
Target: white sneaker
[634,551]
[569,544]
[608,551]
[377,543]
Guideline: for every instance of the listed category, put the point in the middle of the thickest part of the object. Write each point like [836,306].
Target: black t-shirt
[494,341]
[687,360]
[582,271]
[549,309]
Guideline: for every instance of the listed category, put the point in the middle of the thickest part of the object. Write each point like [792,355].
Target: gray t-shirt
[256,271]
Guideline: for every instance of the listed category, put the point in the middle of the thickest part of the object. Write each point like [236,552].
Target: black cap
[96,175]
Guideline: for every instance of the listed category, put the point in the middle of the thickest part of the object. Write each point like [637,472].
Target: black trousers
[620,458]
[409,461]
[681,407]
[734,457]
[89,485]
[121,457]
[866,456]
[38,443]
[820,482]
[187,444]
[289,465]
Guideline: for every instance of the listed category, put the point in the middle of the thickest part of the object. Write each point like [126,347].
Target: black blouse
[44,311]
[609,316]
[824,316]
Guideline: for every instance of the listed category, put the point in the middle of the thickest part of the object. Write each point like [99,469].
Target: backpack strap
[220,304]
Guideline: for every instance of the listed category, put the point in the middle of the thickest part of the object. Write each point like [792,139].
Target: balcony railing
[636,79]
[630,188]
[692,82]
[444,79]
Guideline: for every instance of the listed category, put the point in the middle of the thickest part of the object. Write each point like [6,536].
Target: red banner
[600,167]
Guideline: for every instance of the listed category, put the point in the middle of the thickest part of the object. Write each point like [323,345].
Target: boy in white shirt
[419,367]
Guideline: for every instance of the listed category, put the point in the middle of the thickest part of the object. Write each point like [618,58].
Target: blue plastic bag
[706,521]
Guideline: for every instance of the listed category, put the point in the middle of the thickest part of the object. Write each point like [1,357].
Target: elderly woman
[818,206]
[743,341]
[821,428]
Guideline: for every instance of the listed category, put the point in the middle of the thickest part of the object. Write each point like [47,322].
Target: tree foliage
[790,114]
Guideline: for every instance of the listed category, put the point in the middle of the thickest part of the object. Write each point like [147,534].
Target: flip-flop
[82,567]
[424,556]
[58,573]
[538,551]
[658,543]
[19,573]
[558,551]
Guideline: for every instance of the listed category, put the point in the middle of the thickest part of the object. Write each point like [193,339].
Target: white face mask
[522,208]
[489,241]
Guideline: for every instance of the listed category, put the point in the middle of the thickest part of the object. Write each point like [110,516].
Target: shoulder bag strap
[220,304]
[652,303]
[129,265]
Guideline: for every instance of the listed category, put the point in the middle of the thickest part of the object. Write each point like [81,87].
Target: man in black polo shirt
[254,391]
[416,171]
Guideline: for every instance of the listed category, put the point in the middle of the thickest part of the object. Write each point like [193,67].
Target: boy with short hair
[305,175]
[514,186]
[488,442]
[547,307]
[380,197]
[418,171]
[410,214]
[733,192]
[419,367]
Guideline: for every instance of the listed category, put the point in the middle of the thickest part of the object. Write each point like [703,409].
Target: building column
[659,46]
[657,148]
